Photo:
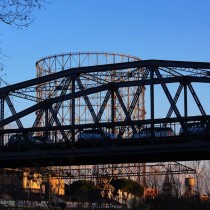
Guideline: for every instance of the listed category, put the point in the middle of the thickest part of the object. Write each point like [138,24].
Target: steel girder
[1,118]
[134,101]
[112,171]
[193,66]
[168,95]
[200,69]
[87,100]
[146,122]
[49,102]
[196,99]
[12,109]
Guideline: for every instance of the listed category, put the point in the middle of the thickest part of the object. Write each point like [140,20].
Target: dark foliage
[128,185]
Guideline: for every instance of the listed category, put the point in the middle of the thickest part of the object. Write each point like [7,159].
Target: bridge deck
[193,150]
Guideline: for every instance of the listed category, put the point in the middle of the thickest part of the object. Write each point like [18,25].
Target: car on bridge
[94,135]
[20,139]
[158,132]
[27,139]
[42,140]
[195,129]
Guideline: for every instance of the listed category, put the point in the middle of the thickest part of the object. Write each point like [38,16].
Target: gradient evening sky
[149,29]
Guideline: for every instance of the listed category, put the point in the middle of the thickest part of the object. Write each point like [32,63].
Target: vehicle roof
[158,128]
[196,124]
[92,131]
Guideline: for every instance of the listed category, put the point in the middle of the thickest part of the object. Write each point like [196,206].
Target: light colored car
[158,132]
[195,128]
[91,134]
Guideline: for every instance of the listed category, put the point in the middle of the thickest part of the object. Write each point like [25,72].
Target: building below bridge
[17,181]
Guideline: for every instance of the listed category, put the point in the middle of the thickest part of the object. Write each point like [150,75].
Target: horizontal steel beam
[109,124]
[102,68]
[47,103]
[195,150]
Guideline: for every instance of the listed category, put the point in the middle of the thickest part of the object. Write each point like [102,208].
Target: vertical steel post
[2,118]
[185,108]
[113,111]
[185,101]
[46,121]
[73,110]
[152,101]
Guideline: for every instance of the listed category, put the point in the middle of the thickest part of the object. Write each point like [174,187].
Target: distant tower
[102,106]
[169,188]
[189,186]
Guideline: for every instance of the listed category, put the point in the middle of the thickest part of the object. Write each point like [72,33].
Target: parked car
[20,139]
[158,132]
[27,139]
[194,128]
[91,134]
[42,140]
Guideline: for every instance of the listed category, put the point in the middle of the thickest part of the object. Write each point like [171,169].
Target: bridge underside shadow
[196,150]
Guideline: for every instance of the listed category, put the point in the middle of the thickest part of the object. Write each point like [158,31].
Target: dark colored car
[21,139]
[42,140]
[194,129]
[88,135]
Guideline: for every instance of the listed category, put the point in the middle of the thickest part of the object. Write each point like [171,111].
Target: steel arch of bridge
[145,73]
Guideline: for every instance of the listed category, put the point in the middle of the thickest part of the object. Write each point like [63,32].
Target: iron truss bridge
[117,170]
[108,171]
[120,99]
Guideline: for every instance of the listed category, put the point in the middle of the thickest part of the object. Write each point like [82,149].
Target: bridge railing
[172,130]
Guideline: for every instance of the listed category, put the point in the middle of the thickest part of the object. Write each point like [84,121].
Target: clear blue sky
[150,29]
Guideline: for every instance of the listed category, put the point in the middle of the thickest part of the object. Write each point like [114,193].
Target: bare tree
[206,179]
[19,13]
[200,167]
